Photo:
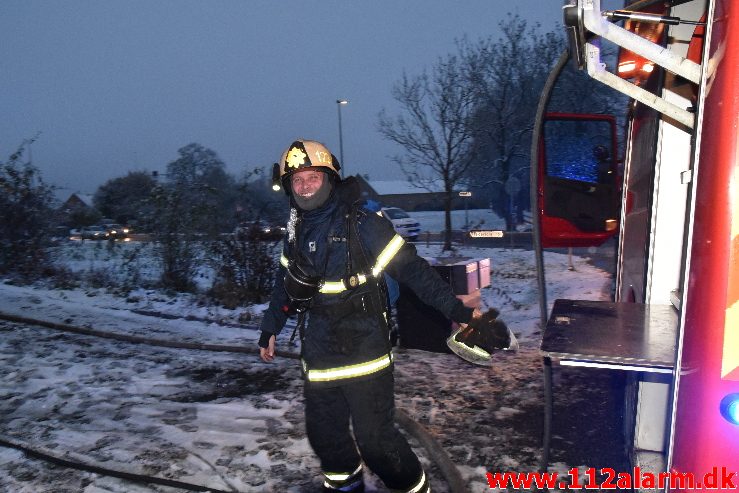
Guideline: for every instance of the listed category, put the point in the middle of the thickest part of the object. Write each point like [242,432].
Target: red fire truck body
[678,237]
[702,436]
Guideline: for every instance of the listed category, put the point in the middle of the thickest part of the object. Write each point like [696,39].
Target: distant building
[77,201]
[403,194]
[77,209]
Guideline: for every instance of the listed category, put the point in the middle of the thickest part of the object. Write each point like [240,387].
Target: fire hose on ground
[434,450]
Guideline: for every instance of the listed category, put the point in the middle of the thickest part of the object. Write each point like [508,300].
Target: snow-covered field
[433,221]
[226,420]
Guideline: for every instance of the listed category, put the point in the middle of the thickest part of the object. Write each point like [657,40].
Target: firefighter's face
[306,183]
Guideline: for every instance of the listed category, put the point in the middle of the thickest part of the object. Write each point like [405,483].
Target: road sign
[465,194]
[486,233]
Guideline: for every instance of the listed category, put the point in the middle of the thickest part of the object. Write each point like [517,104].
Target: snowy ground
[227,420]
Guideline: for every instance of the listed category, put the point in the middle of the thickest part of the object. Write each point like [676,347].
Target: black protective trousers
[369,404]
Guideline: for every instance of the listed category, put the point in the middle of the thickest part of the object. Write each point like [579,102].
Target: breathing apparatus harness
[302,282]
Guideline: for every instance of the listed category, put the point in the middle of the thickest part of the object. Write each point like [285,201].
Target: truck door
[578,180]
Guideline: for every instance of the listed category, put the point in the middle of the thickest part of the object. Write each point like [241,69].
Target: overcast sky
[119,86]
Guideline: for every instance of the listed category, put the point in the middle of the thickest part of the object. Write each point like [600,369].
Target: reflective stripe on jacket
[336,287]
[355,344]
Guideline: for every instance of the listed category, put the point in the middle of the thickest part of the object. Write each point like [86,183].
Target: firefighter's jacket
[346,336]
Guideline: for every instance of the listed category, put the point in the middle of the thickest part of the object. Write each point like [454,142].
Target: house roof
[84,198]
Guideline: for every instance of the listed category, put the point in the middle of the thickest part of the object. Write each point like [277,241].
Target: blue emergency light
[730,408]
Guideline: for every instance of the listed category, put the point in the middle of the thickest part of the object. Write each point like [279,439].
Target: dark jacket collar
[344,194]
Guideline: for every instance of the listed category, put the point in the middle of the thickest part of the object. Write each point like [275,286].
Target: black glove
[264,340]
[487,332]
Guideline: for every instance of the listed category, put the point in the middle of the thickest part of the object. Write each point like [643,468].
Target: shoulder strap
[360,258]
[357,255]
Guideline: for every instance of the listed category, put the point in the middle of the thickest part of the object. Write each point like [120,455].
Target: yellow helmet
[305,154]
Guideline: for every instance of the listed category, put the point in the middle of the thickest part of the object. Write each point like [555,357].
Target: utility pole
[339,104]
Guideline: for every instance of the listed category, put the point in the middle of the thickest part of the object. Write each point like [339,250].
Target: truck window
[579,183]
[579,150]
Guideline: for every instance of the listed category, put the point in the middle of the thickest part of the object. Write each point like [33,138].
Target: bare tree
[506,75]
[200,174]
[184,213]
[125,198]
[434,130]
[471,120]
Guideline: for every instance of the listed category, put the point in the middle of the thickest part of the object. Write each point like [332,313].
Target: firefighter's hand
[268,354]
[476,315]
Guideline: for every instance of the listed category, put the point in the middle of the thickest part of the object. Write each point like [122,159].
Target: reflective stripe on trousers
[349,371]
[343,481]
[422,486]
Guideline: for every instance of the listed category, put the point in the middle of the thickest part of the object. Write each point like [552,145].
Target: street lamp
[339,104]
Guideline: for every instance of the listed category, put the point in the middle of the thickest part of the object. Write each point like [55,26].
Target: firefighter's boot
[351,482]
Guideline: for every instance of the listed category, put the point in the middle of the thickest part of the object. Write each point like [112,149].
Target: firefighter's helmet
[304,154]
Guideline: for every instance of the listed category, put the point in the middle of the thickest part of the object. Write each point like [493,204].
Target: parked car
[58,233]
[92,233]
[114,231]
[259,230]
[404,225]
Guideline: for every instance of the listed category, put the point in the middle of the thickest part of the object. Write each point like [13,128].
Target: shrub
[244,270]
[25,202]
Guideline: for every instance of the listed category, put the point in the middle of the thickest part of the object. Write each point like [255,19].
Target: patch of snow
[433,221]
[228,420]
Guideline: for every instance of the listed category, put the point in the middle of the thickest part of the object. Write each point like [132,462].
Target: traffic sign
[486,233]
[465,194]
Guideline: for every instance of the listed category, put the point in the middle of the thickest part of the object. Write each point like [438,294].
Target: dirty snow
[228,421]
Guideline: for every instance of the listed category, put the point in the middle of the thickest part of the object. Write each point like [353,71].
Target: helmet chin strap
[317,199]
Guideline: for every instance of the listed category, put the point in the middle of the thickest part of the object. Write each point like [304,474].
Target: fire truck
[671,202]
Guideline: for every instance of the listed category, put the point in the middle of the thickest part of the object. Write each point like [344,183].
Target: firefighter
[332,265]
